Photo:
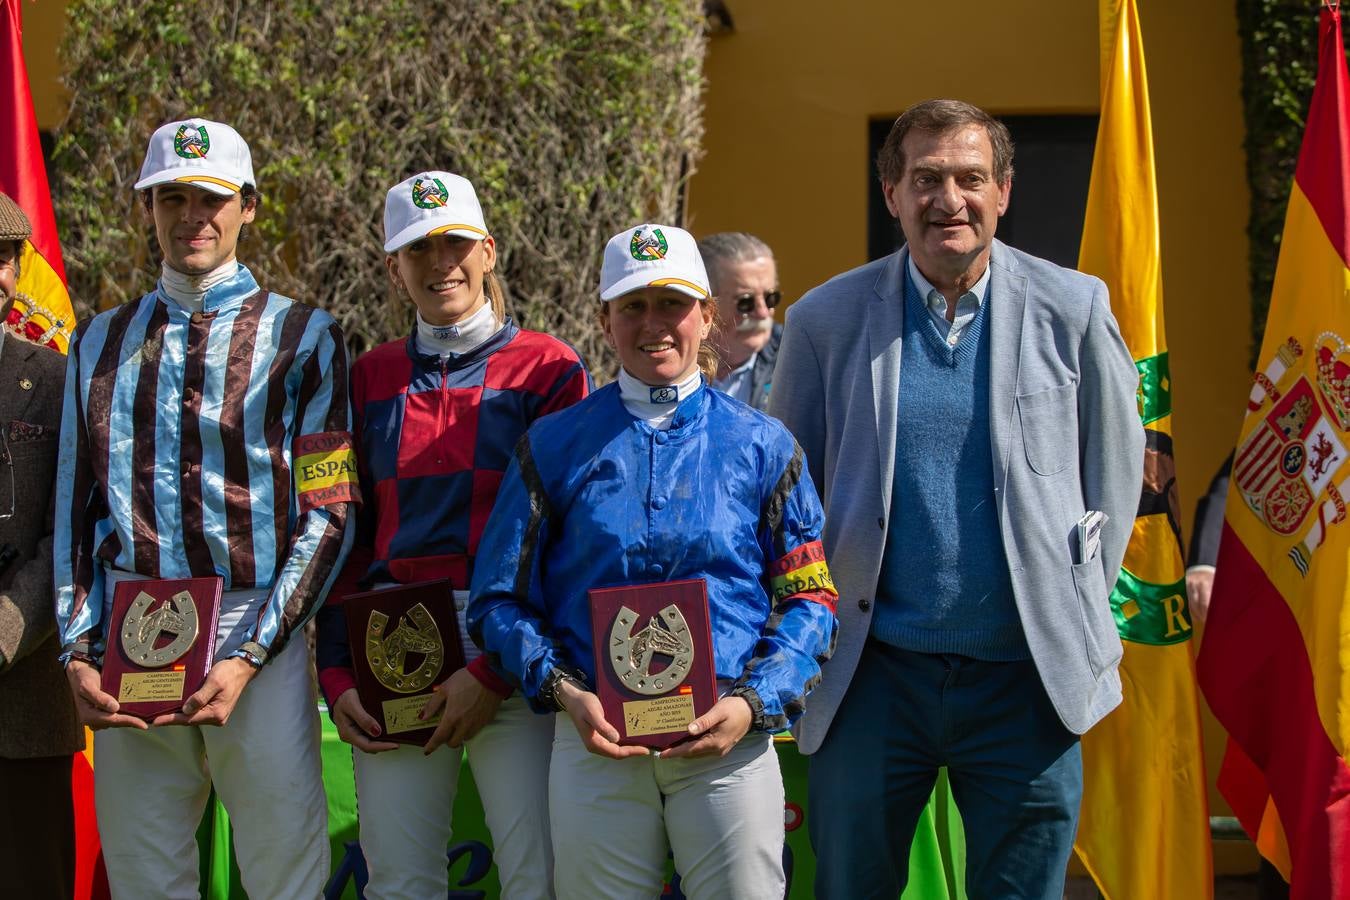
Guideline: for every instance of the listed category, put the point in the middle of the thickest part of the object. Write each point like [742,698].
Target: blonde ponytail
[496,296]
[709,360]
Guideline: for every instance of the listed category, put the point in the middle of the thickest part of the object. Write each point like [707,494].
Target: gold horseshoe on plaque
[416,632]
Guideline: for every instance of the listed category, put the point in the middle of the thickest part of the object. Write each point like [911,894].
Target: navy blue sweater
[944,585]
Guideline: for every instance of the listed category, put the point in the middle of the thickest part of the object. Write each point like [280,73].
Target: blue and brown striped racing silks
[209,443]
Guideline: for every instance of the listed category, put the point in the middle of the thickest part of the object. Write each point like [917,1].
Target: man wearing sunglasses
[38,728]
[745,282]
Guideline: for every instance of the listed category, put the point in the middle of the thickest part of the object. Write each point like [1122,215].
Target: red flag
[1275,662]
[91,879]
[42,311]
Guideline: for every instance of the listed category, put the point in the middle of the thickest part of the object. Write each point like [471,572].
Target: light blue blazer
[1066,437]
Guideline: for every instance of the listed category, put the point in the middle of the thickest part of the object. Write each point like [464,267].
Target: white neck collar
[188,291]
[459,338]
[656,404]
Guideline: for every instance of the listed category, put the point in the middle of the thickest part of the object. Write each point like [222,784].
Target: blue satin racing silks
[596,498]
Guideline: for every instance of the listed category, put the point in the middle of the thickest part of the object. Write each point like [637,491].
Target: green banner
[1148,613]
[1155,388]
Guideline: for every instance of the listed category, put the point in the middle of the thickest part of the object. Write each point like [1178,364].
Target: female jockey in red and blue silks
[435,417]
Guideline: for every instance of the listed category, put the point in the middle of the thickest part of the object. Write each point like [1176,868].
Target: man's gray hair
[730,247]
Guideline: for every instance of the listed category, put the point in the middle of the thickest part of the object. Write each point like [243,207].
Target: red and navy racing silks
[207,443]
[433,441]
[598,498]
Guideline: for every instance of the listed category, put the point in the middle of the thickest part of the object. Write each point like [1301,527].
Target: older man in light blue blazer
[964,407]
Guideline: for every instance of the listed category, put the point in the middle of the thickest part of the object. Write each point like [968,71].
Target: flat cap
[13,223]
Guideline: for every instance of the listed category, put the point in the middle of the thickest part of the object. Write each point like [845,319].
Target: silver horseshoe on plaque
[141,629]
[631,654]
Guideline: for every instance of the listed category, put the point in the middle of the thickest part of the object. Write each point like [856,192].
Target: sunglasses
[745,303]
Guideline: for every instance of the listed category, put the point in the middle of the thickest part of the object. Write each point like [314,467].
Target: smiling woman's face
[443,275]
[657,332]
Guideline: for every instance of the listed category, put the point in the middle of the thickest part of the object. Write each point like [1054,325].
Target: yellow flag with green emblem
[1144,830]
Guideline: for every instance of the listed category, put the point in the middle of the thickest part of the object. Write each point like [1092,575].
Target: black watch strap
[548,691]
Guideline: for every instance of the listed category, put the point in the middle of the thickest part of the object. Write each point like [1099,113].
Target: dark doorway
[1052,165]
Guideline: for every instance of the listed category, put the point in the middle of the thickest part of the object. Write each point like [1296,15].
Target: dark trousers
[1016,775]
[37,829]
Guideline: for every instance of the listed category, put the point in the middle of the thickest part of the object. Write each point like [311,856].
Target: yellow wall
[42,25]
[790,93]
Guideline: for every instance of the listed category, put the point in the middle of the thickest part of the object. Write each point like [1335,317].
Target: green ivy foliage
[573,119]
[1279,67]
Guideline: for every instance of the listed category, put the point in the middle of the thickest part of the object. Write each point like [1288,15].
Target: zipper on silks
[440,418]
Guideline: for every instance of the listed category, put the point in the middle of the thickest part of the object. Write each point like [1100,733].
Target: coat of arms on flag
[1292,456]
[1288,465]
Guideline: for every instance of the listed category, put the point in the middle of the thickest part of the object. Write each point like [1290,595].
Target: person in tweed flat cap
[14,230]
[14,224]
[38,727]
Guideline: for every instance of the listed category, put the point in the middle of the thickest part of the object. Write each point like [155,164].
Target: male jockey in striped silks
[206,433]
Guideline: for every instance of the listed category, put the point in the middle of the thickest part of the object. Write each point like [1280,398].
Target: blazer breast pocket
[1049,427]
[26,442]
[19,432]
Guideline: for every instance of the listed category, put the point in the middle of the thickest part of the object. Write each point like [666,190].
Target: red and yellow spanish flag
[1144,830]
[1275,665]
[42,311]
[91,879]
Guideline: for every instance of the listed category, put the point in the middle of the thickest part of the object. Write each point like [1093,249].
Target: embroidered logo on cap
[429,193]
[648,244]
[664,394]
[191,141]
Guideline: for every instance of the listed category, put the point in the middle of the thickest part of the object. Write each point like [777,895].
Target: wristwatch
[548,691]
[80,651]
[252,653]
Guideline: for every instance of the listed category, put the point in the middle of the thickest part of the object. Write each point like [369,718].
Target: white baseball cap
[199,152]
[653,256]
[431,203]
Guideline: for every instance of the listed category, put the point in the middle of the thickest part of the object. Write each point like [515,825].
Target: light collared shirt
[967,305]
[737,381]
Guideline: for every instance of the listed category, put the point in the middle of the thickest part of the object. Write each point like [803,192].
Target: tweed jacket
[37,714]
[1066,438]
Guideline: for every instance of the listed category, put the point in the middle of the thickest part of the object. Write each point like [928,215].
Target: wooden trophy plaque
[161,643]
[654,670]
[405,641]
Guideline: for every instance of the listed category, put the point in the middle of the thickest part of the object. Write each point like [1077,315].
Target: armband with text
[803,571]
[325,470]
